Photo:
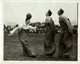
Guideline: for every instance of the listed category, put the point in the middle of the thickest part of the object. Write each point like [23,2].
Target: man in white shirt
[24,37]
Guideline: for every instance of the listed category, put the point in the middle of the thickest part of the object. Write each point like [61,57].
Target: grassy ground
[13,49]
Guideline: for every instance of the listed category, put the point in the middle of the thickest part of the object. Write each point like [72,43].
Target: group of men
[65,40]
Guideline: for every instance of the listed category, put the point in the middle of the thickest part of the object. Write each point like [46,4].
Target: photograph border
[37,62]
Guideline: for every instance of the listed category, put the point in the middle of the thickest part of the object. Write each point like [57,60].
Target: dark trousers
[65,44]
[49,44]
[24,39]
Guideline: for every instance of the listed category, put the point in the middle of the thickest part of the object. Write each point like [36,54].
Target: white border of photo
[34,62]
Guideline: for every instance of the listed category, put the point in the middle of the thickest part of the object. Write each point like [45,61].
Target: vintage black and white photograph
[40,31]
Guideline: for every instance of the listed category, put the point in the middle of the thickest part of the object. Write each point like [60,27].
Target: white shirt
[22,26]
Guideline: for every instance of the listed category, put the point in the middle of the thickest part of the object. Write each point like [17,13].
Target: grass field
[13,48]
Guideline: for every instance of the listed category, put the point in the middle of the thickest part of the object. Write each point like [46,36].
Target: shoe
[31,54]
[51,54]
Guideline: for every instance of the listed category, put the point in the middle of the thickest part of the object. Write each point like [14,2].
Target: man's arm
[43,24]
[67,23]
[32,28]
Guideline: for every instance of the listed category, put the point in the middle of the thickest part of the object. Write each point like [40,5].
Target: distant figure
[65,42]
[49,28]
[23,36]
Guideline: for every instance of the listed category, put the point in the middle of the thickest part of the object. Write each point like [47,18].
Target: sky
[15,12]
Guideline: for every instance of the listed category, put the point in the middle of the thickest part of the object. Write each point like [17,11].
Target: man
[49,44]
[24,37]
[65,42]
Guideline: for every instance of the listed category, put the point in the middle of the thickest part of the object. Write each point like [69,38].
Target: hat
[61,10]
[49,13]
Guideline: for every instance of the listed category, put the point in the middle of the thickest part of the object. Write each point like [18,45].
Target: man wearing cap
[65,42]
[49,43]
